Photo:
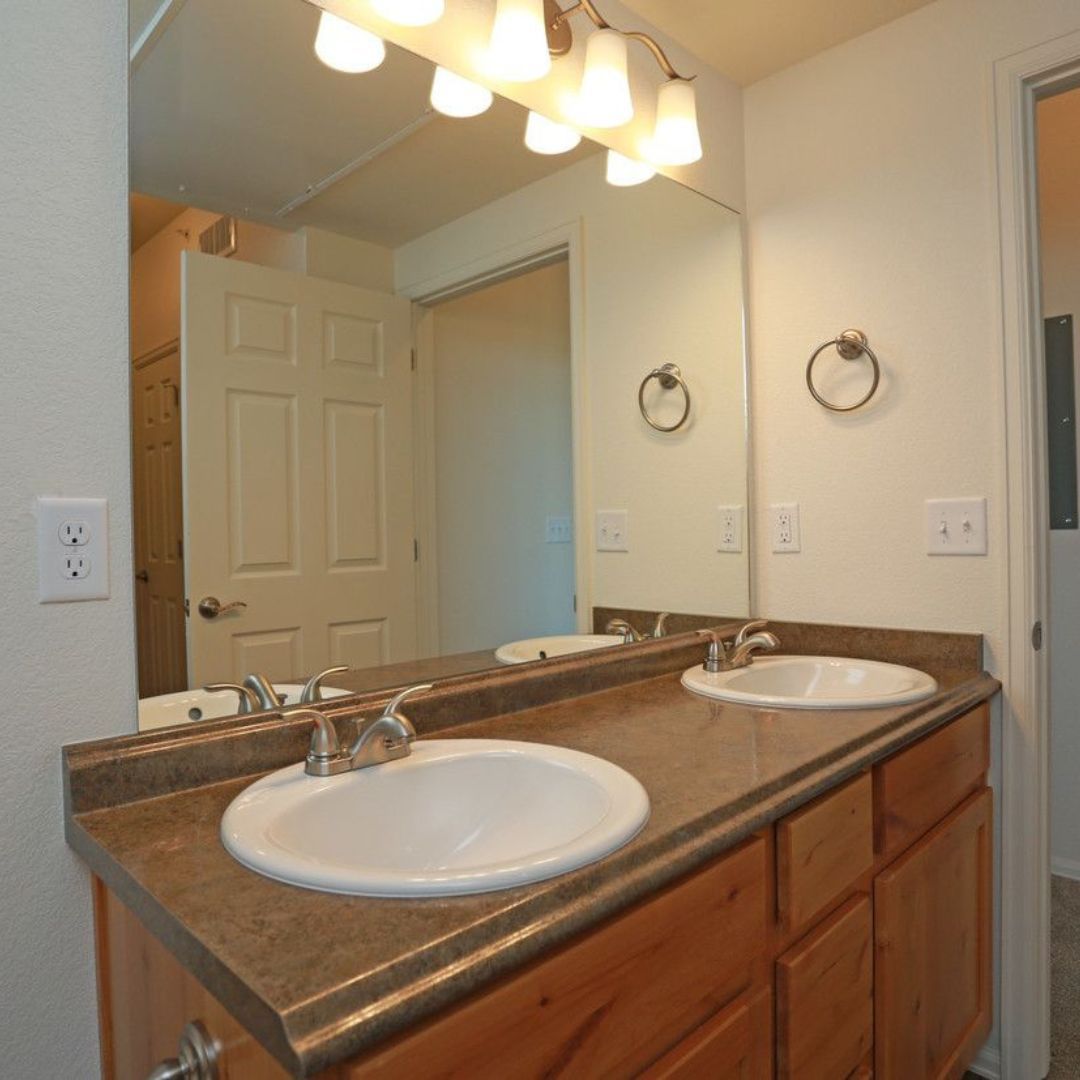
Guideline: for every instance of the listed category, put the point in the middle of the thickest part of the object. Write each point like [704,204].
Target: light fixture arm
[560,18]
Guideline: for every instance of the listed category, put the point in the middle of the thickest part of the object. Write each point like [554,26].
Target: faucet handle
[716,655]
[751,627]
[325,748]
[659,627]
[312,691]
[249,701]
[395,702]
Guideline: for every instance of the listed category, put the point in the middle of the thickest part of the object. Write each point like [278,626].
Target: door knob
[210,607]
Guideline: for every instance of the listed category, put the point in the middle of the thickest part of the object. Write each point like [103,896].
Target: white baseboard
[1068,868]
[988,1063]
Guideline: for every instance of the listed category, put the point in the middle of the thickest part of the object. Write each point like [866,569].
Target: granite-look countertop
[319,978]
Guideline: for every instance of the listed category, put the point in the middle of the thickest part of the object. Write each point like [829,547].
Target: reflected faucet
[268,698]
[388,738]
[249,701]
[631,635]
[312,692]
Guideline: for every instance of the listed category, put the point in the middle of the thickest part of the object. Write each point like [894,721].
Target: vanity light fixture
[518,51]
[604,99]
[676,140]
[544,136]
[344,46]
[623,171]
[410,12]
[453,95]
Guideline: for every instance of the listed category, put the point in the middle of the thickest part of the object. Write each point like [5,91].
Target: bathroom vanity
[811,896]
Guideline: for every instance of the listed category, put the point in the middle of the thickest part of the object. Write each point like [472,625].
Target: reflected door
[158,513]
[298,484]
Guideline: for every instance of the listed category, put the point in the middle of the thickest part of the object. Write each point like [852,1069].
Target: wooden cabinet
[851,939]
[933,949]
[824,998]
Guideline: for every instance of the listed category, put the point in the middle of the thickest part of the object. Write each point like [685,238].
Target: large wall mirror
[385,376]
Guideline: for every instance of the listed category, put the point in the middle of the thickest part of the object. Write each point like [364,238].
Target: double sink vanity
[613,863]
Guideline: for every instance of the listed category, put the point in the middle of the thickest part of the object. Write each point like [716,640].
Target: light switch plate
[73,550]
[612,530]
[557,530]
[956,526]
[729,528]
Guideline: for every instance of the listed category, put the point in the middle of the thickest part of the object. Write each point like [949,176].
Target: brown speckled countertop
[714,774]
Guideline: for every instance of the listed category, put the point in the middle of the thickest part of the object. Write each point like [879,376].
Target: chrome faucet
[388,738]
[750,639]
[312,692]
[264,692]
[249,701]
[630,634]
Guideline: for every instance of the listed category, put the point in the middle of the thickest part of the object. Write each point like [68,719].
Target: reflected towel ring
[851,344]
[669,376]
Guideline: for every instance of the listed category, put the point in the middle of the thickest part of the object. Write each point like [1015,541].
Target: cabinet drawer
[821,851]
[824,993]
[736,1045]
[915,789]
[614,1001]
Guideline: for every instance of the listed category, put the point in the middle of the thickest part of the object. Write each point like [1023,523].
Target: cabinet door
[932,919]
[735,1045]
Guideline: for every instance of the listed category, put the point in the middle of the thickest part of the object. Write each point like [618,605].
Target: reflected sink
[179,708]
[519,652]
[813,682]
[457,816]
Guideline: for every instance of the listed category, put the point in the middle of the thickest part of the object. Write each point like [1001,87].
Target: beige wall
[503,464]
[1059,213]
[63,431]
[662,281]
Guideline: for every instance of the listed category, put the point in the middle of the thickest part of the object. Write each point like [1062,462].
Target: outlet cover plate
[68,572]
[956,526]
[784,528]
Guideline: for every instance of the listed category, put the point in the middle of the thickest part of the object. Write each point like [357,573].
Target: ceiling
[291,122]
[749,39]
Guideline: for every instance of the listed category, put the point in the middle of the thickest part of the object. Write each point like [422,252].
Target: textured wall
[64,431]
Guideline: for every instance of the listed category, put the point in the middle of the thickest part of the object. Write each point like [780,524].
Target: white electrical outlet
[956,526]
[557,530]
[784,520]
[73,550]
[729,522]
[612,530]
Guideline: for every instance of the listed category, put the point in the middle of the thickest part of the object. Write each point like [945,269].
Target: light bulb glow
[343,46]
[676,140]
[410,12]
[544,136]
[604,99]
[626,172]
[518,51]
[454,96]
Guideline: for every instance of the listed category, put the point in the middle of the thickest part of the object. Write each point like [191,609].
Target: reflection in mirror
[391,372]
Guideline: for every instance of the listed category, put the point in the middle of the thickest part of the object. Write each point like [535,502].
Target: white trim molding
[1025,853]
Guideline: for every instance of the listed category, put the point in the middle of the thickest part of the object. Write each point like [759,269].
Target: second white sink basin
[544,648]
[179,708]
[456,816]
[813,682]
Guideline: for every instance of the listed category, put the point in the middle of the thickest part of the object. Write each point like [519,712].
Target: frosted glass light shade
[544,136]
[410,12]
[519,47]
[454,96]
[604,100]
[676,140]
[346,47]
[626,172]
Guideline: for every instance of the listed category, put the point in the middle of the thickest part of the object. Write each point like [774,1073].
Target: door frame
[1018,82]
[497,264]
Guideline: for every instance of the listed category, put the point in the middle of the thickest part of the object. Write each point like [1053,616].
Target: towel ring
[668,376]
[851,344]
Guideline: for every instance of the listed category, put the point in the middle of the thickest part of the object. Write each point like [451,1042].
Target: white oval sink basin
[813,682]
[179,708]
[544,648]
[456,816]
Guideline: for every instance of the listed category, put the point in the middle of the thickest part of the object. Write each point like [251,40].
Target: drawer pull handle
[196,1056]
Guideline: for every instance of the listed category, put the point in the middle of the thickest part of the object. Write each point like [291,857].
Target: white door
[298,480]
[158,512]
